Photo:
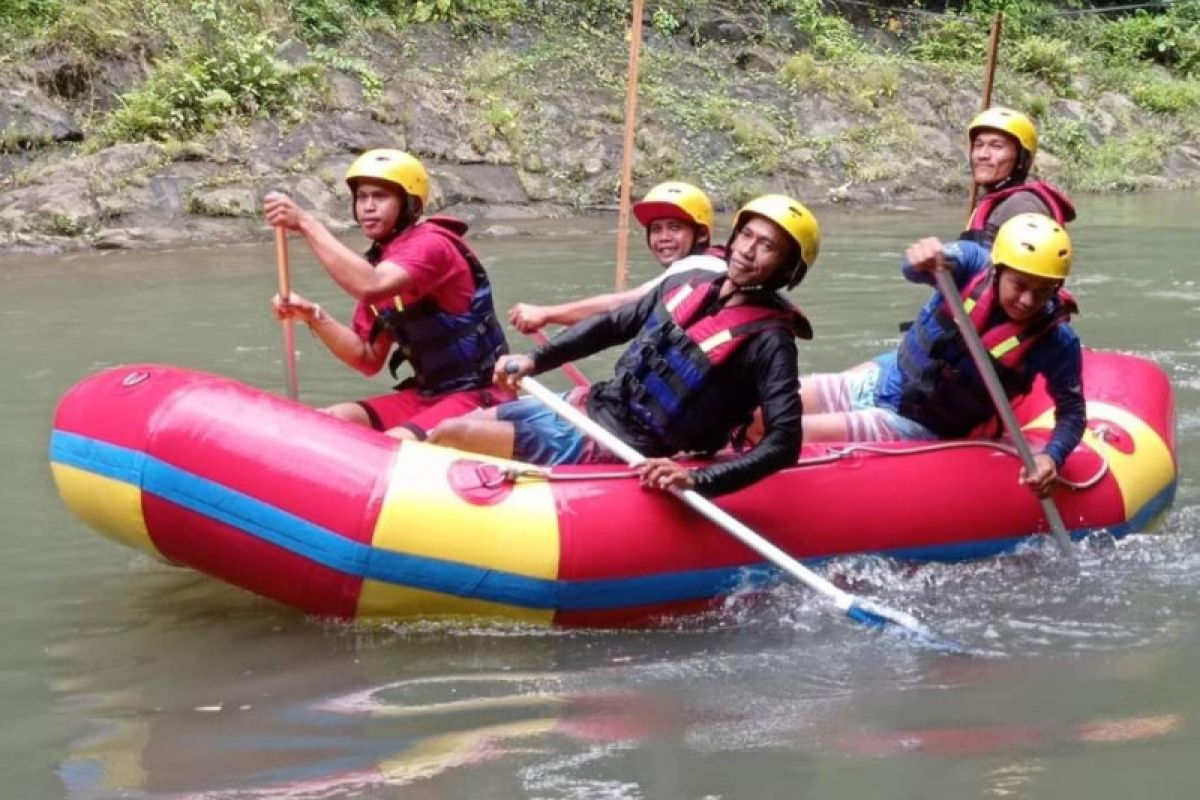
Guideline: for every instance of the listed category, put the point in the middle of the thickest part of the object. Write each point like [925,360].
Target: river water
[121,677]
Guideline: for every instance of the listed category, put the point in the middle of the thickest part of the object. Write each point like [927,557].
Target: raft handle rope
[503,475]
[838,453]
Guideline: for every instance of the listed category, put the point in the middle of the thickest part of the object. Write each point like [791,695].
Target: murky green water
[121,677]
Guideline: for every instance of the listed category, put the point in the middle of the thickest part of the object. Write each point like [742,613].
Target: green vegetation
[210,63]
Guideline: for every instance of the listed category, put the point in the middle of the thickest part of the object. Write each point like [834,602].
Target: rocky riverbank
[526,122]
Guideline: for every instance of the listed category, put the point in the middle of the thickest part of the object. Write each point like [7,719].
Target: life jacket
[1056,201]
[942,388]
[666,377]
[448,352]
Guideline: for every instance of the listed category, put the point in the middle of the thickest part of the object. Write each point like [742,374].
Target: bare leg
[829,427]
[476,433]
[350,412]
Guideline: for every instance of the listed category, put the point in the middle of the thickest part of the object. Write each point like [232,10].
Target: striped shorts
[852,393]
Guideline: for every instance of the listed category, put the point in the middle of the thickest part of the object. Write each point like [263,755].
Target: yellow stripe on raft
[1140,474]
[422,516]
[110,506]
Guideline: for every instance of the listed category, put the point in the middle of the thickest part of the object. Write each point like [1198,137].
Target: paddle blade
[896,621]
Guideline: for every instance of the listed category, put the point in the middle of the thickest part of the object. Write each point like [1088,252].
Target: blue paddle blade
[875,615]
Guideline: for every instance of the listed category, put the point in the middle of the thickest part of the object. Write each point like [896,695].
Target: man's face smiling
[993,157]
[759,249]
[670,239]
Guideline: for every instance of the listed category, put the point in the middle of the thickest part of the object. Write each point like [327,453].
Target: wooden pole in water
[631,85]
[989,77]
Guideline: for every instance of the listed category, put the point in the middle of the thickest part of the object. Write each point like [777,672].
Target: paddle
[858,609]
[569,369]
[285,292]
[983,362]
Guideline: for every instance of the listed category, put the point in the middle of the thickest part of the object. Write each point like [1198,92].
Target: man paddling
[929,387]
[422,294]
[706,352]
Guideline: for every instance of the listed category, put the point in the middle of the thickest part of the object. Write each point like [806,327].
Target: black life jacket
[1056,201]
[942,388]
[666,377]
[448,352]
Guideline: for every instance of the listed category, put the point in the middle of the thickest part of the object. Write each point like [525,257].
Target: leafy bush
[322,20]
[28,13]
[832,36]
[665,22]
[89,29]
[953,38]
[1052,60]
[1171,39]
[463,10]
[1166,96]
[799,69]
[227,68]
[1066,138]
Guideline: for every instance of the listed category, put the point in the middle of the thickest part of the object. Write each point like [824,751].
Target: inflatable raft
[337,520]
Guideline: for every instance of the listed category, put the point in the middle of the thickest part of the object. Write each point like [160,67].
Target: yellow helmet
[1005,120]
[1034,244]
[675,200]
[391,166]
[796,220]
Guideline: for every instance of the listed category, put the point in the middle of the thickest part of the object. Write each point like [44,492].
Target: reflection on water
[127,678]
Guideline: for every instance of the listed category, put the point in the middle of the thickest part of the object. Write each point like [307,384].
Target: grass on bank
[207,63]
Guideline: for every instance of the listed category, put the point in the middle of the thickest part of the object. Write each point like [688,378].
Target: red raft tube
[337,520]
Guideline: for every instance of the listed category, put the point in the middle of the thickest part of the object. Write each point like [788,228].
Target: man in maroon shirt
[421,292]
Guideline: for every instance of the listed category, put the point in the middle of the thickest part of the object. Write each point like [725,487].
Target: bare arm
[527,317]
[341,340]
[348,269]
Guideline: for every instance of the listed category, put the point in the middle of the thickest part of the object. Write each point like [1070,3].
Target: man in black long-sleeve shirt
[705,353]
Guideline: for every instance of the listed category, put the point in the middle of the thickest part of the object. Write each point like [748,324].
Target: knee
[349,412]
[451,432]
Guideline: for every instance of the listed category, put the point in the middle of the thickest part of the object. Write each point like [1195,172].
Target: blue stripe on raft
[323,546]
[974,550]
[330,549]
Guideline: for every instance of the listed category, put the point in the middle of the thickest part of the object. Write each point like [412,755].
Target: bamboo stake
[986,100]
[631,86]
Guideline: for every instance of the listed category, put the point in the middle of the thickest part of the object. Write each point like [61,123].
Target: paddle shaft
[283,266]
[856,608]
[989,78]
[983,362]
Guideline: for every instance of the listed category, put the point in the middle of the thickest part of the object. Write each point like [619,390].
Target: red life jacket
[666,374]
[1057,202]
[941,387]
[1008,342]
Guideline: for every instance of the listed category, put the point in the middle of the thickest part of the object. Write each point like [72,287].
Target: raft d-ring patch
[134,378]
[1112,434]
[479,483]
